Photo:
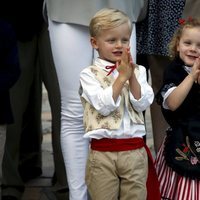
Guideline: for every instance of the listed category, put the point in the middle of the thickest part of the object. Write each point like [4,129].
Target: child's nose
[119,44]
[194,48]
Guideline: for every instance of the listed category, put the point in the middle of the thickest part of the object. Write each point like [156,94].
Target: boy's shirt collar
[104,65]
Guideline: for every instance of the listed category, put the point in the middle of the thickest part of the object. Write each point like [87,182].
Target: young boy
[114,92]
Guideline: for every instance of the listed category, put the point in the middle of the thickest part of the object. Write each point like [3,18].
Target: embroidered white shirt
[102,101]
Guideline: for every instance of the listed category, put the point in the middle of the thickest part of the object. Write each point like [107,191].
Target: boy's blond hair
[108,18]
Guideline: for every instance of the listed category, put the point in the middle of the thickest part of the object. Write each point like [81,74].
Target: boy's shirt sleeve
[101,99]
[147,94]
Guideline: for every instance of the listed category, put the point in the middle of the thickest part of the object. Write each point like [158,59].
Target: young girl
[179,98]
[114,92]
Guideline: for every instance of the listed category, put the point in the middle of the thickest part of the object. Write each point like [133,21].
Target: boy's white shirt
[102,101]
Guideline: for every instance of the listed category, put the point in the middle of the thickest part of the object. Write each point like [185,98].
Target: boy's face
[189,45]
[111,43]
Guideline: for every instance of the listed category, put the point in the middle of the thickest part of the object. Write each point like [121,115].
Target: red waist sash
[108,144]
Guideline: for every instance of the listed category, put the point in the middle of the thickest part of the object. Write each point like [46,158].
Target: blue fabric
[9,69]
[155,32]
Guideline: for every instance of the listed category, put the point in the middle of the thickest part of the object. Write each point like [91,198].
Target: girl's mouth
[192,57]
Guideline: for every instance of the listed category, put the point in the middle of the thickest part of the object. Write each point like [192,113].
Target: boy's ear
[93,42]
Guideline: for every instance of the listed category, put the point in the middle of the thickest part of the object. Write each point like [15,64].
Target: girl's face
[111,43]
[189,45]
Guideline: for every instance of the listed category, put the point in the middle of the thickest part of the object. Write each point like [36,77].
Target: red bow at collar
[112,68]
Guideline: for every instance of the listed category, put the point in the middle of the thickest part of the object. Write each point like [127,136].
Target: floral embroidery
[130,108]
[90,128]
[116,115]
[107,81]
[91,109]
[93,118]
[194,160]
[106,125]
[94,71]
[99,117]
[186,153]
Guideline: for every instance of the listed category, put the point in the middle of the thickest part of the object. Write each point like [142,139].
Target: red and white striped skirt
[172,185]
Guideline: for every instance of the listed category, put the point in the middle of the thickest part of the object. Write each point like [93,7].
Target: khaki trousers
[117,175]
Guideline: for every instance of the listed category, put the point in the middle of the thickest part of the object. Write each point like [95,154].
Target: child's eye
[111,40]
[187,43]
[198,45]
[125,40]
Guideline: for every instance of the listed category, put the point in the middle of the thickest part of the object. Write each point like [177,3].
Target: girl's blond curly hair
[183,24]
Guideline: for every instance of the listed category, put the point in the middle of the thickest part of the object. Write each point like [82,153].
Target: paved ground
[40,188]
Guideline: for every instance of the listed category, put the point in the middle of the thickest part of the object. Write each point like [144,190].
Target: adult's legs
[30,160]
[2,144]
[72,52]
[50,80]
[19,94]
